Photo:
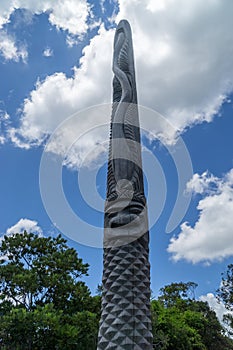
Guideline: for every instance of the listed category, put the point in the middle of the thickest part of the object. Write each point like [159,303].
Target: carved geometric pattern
[126,320]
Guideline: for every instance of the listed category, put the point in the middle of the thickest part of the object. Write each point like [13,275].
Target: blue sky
[55,62]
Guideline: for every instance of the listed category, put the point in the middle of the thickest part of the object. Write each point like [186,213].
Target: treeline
[181,322]
[44,304]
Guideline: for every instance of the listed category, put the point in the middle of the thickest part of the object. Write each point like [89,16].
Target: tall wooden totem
[125,317]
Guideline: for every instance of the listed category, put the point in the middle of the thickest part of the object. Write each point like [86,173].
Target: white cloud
[2,140]
[70,15]
[184,61]
[58,97]
[67,15]
[203,183]
[4,116]
[182,56]
[6,8]
[9,49]
[24,225]
[48,52]
[71,40]
[210,239]
[4,121]
[215,305]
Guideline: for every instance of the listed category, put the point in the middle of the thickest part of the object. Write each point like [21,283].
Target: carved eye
[125,216]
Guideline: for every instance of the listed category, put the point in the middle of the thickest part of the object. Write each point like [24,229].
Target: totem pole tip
[124,23]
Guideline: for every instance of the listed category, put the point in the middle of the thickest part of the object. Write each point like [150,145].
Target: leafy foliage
[225,294]
[175,293]
[181,322]
[48,328]
[44,304]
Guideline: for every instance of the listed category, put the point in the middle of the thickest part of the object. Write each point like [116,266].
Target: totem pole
[125,317]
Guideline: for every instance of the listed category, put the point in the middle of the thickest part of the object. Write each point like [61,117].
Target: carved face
[124,210]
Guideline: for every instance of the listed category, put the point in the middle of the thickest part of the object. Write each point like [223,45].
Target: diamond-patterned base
[126,321]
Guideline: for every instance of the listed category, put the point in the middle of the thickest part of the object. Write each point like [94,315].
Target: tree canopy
[225,295]
[181,322]
[44,303]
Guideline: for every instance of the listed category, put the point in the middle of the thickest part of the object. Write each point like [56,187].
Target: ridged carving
[125,317]
[125,133]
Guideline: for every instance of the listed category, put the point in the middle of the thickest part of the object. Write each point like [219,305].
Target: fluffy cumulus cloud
[24,225]
[67,15]
[182,55]
[204,183]
[6,8]
[9,50]
[184,66]
[70,15]
[58,97]
[210,239]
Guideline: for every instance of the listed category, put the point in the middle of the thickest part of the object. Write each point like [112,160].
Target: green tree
[47,328]
[175,293]
[44,304]
[225,292]
[174,329]
[181,322]
[225,295]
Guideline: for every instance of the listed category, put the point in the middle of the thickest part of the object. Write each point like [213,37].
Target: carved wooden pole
[125,319]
